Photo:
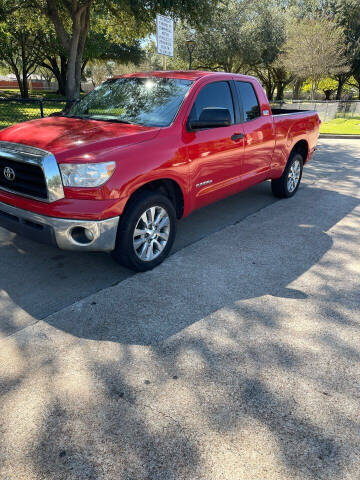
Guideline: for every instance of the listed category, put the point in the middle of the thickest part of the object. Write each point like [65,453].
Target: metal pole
[190,44]
[41,108]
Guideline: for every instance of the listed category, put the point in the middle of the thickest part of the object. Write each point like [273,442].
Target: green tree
[242,37]
[328,86]
[99,46]
[315,49]
[347,14]
[153,61]
[103,57]
[52,56]
[268,35]
[20,36]
[126,18]
[223,45]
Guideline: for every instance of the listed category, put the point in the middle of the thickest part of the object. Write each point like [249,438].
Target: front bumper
[63,233]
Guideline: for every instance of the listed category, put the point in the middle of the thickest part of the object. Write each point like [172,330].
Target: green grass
[15,93]
[11,113]
[345,126]
[15,112]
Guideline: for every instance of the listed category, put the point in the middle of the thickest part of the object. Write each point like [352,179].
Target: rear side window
[213,95]
[249,100]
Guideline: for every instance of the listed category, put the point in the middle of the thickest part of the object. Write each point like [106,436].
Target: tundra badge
[198,185]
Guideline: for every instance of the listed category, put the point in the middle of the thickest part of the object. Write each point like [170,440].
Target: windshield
[150,101]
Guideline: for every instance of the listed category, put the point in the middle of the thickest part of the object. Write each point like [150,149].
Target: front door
[215,154]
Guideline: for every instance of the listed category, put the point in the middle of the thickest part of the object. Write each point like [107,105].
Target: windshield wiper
[77,116]
[102,118]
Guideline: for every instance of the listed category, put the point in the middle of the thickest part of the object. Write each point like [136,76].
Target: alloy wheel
[294,176]
[151,233]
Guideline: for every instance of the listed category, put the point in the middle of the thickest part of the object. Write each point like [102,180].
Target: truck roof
[182,74]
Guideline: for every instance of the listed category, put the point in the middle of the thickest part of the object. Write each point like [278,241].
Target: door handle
[237,136]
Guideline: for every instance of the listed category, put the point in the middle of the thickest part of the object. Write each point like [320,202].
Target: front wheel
[146,232]
[286,186]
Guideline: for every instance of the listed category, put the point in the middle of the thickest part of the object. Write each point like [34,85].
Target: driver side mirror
[211,118]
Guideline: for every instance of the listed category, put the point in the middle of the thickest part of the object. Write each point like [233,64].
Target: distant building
[35,83]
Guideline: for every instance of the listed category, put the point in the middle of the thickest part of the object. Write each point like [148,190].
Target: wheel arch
[301,147]
[168,187]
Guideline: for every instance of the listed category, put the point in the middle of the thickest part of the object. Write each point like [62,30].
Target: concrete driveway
[238,358]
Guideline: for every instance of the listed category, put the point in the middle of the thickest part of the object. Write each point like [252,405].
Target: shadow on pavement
[51,279]
[257,258]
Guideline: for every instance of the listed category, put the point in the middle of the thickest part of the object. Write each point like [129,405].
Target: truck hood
[60,135]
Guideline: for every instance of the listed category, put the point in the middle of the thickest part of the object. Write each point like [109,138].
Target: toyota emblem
[9,174]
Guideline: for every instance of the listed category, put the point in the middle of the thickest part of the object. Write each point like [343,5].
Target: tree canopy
[20,37]
[318,52]
[281,41]
[123,20]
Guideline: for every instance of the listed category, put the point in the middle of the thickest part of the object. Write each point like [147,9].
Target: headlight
[86,174]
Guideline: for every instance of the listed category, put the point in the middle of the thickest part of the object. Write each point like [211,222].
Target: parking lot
[238,358]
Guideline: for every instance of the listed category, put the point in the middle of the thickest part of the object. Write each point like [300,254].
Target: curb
[334,135]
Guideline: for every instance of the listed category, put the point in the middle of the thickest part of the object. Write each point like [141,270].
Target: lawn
[15,93]
[345,126]
[15,112]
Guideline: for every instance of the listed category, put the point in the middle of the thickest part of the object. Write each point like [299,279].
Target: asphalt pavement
[41,279]
[238,358]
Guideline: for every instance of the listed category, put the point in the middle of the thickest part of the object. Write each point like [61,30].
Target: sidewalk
[236,359]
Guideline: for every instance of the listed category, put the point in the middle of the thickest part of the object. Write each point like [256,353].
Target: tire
[141,252]
[280,187]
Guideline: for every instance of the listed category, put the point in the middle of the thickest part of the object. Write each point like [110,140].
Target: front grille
[29,178]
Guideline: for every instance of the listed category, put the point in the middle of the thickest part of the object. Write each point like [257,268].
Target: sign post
[165,36]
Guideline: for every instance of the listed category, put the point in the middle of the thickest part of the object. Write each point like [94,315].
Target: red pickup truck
[141,151]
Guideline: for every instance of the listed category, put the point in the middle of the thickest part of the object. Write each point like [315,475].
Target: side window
[249,100]
[213,95]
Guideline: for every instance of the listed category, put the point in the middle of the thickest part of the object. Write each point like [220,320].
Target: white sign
[165,35]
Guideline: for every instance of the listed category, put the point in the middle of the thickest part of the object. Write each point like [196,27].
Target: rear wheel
[146,232]
[286,186]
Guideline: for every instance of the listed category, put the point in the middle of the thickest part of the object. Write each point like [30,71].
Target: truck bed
[286,111]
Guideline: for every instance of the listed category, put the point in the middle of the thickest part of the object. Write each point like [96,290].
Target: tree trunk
[62,75]
[269,92]
[59,72]
[340,87]
[266,80]
[25,88]
[357,79]
[297,89]
[314,84]
[72,90]
[24,80]
[61,86]
[81,23]
[269,86]
[83,67]
[20,83]
[280,90]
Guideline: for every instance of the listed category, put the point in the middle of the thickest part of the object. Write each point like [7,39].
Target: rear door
[259,135]
[215,154]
